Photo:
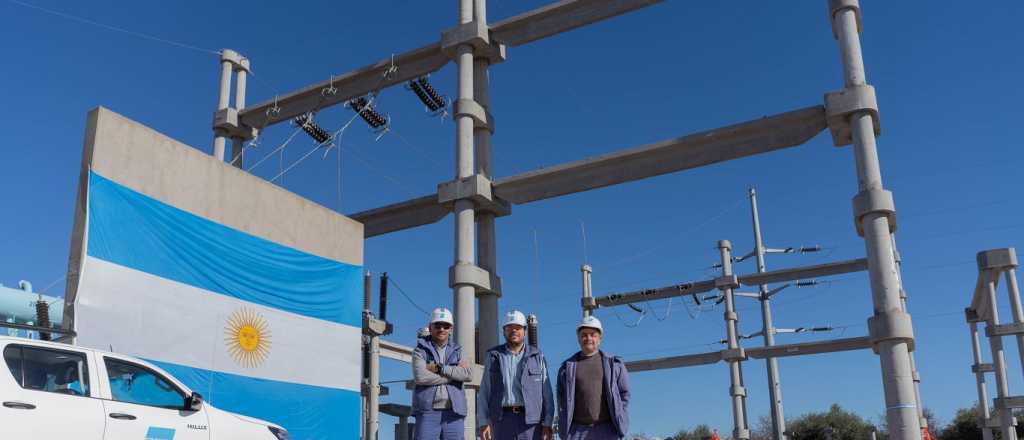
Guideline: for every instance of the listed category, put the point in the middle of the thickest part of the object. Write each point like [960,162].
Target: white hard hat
[590,322]
[441,314]
[514,317]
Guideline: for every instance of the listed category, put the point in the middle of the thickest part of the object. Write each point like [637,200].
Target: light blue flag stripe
[136,231]
[307,412]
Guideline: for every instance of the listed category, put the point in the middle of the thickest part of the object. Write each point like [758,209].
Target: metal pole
[402,430]
[219,139]
[1018,314]
[979,376]
[774,388]
[238,144]
[588,291]
[486,236]
[737,391]
[465,240]
[897,377]
[998,358]
[373,396]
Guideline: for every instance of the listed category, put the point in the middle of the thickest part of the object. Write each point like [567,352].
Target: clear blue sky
[948,82]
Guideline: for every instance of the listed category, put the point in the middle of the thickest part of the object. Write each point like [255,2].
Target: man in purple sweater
[593,390]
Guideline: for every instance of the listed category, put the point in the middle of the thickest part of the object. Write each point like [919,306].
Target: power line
[115,28]
[406,296]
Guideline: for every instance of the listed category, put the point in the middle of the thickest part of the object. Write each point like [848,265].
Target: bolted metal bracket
[481,117]
[476,188]
[997,259]
[727,282]
[364,389]
[839,105]
[891,326]
[873,201]
[238,62]
[734,354]
[983,368]
[226,121]
[477,35]
[731,316]
[835,6]
[467,274]
[971,315]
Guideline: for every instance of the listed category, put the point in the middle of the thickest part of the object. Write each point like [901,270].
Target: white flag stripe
[173,322]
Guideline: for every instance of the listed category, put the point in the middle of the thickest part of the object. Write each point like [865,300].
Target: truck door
[47,394]
[146,405]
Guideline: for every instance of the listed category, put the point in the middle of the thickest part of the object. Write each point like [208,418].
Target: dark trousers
[440,425]
[513,427]
[600,431]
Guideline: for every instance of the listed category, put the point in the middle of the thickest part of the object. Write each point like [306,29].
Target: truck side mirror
[194,402]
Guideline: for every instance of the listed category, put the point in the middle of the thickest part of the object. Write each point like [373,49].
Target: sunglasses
[442,325]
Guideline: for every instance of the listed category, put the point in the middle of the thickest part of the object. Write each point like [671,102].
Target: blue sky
[948,82]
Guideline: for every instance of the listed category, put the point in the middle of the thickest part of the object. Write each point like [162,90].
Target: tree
[699,432]
[963,427]
[845,425]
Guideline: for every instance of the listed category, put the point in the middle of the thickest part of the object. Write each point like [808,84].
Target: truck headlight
[280,433]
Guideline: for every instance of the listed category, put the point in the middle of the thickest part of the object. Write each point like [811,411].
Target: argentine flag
[258,328]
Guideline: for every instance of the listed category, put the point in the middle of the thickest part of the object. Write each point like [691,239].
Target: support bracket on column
[727,282]
[481,117]
[735,354]
[737,390]
[226,121]
[588,303]
[741,434]
[873,201]
[731,316]
[841,104]
[971,315]
[835,6]
[477,35]
[478,189]
[997,259]
[375,327]
[467,274]
[891,326]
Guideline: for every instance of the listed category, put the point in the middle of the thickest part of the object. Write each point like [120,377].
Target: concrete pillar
[774,388]
[999,358]
[226,66]
[737,390]
[486,235]
[465,237]
[983,411]
[238,144]
[897,376]
[373,395]
[402,429]
[1018,313]
[913,363]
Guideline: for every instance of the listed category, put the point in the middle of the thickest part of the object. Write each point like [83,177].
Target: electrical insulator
[313,129]
[806,249]
[362,107]
[383,297]
[807,283]
[423,90]
[43,318]
[531,329]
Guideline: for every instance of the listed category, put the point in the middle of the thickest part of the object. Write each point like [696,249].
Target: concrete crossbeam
[696,150]
[806,348]
[521,29]
[713,146]
[689,360]
[395,351]
[560,17]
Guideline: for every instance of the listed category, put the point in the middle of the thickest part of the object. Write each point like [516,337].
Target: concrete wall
[149,162]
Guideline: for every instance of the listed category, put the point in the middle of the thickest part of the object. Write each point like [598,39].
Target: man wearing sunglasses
[438,401]
[515,401]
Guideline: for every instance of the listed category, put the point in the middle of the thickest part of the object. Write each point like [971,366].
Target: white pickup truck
[52,391]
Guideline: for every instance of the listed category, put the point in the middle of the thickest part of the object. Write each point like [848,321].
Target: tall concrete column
[226,66]
[768,329]
[979,376]
[486,236]
[913,363]
[892,337]
[999,359]
[465,237]
[734,354]
[588,292]
[373,395]
[237,143]
[1018,313]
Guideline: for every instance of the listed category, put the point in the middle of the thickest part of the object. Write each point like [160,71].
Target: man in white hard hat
[593,390]
[438,401]
[515,401]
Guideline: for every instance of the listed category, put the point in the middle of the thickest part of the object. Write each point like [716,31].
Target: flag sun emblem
[247,336]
